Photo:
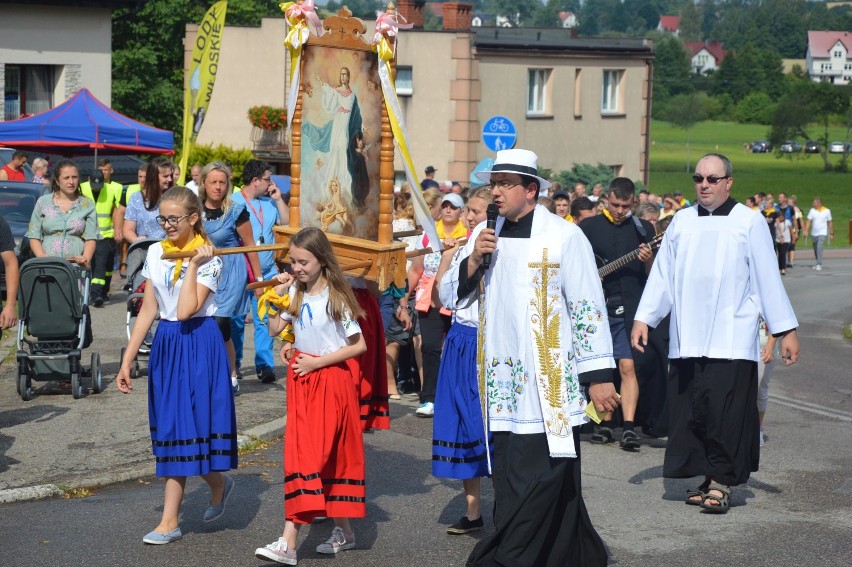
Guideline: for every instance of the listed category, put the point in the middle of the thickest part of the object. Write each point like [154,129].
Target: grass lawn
[801,176]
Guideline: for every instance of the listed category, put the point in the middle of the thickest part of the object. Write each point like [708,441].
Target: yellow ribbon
[607,214]
[270,302]
[169,248]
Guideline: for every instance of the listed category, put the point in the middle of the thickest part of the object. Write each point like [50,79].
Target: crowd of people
[506,332]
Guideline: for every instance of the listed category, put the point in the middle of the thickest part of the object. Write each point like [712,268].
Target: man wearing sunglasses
[715,269]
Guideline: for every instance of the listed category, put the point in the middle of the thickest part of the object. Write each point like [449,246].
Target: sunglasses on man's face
[711,179]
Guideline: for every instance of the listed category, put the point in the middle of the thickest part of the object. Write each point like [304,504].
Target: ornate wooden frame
[382,260]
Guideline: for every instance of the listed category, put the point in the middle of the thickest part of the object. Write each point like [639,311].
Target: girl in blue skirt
[459,449]
[190,401]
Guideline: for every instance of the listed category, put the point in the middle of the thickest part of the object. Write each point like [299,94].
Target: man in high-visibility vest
[107,197]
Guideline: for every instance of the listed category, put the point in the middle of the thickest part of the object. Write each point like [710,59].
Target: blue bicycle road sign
[499,134]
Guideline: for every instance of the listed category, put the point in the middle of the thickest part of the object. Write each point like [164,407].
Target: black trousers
[541,518]
[713,421]
[433,327]
[103,263]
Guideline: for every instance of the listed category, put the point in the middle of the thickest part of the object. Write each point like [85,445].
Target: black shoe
[465,526]
[602,436]
[265,374]
[236,389]
[98,302]
[629,441]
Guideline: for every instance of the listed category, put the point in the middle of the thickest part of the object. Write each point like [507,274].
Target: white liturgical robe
[545,323]
[716,274]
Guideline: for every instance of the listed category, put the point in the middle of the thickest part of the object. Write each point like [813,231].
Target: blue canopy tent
[83,125]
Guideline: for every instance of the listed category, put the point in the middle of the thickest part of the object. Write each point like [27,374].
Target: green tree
[365,9]
[755,108]
[147,60]
[750,70]
[690,22]
[685,111]
[585,173]
[547,14]
[672,68]
[808,107]
[518,12]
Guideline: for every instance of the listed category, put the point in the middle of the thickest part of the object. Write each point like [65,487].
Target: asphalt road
[797,510]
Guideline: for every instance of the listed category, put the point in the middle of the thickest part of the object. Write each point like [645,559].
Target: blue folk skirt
[458,436]
[190,400]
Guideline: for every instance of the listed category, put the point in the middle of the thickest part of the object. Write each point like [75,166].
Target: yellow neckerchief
[569,218]
[608,215]
[458,232]
[272,303]
[769,211]
[169,247]
[821,209]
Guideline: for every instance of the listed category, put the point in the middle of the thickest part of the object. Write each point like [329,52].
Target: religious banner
[202,76]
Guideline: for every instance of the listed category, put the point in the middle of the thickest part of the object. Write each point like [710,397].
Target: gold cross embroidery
[546,331]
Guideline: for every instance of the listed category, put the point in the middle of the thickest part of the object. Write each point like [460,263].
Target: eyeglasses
[171,221]
[711,179]
[267,179]
[504,184]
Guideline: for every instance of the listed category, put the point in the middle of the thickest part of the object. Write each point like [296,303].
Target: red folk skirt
[373,386]
[323,446]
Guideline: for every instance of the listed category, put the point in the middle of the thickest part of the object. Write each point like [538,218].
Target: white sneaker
[277,552]
[426,409]
[818,268]
[337,542]
[761,437]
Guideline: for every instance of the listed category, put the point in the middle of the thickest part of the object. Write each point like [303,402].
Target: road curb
[263,432]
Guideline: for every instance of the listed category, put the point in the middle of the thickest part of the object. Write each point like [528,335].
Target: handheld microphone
[491,222]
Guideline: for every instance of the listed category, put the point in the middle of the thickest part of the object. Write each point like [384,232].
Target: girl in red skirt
[324,450]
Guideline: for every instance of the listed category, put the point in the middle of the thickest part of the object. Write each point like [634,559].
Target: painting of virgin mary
[341,120]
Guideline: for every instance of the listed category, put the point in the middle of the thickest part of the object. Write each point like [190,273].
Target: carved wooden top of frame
[342,30]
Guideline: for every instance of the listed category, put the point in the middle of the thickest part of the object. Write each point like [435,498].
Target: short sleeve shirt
[63,234]
[316,332]
[146,221]
[161,273]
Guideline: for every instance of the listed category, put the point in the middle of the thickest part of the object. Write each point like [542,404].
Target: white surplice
[545,322]
[716,275]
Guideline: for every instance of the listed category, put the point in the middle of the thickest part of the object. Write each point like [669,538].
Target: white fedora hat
[522,162]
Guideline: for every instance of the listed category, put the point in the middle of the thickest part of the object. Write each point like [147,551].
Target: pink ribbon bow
[305,11]
[388,24]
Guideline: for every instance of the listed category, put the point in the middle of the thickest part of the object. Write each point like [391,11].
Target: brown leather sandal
[724,501]
[696,497]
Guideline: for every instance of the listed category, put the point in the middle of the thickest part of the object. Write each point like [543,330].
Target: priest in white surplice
[716,273]
[544,332]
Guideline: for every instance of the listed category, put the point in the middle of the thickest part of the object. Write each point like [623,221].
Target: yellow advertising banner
[202,76]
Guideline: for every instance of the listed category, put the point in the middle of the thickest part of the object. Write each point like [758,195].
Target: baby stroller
[136,254]
[54,326]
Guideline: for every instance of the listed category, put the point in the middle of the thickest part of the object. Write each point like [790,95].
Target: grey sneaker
[277,552]
[337,542]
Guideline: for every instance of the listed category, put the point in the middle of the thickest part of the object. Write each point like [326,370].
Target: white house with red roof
[670,24]
[829,57]
[705,56]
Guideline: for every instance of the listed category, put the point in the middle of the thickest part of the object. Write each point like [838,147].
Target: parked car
[811,147]
[791,146]
[836,148]
[761,147]
[17,201]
